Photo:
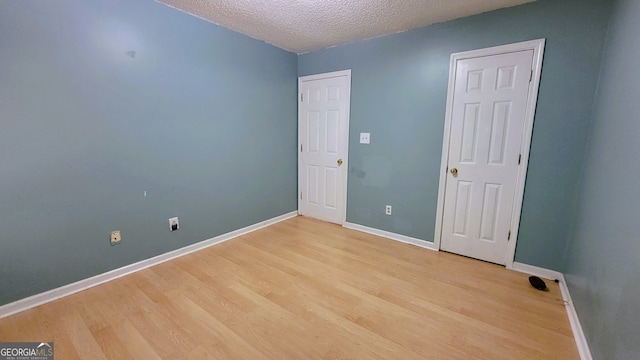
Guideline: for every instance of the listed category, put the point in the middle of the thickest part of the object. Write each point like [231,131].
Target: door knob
[339,162]
[454,172]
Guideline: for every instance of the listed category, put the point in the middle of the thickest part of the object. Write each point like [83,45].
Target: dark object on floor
[537,283]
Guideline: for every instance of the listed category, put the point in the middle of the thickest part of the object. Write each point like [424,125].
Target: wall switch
[387,210]
[365,138]
[115,237]
[174,224]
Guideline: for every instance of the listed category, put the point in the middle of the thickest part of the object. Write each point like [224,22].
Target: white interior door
[323,128]
[487,126]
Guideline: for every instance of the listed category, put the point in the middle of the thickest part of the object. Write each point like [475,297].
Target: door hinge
[509,236]
[301,195]
[519,158]
[301,148]
[301,97]
[531,76]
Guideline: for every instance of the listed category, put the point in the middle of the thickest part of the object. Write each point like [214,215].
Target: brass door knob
[454,172]
[339,162]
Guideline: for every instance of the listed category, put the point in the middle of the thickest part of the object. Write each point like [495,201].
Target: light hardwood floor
[304,289]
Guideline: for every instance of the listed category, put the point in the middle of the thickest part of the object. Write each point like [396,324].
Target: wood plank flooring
[304,289]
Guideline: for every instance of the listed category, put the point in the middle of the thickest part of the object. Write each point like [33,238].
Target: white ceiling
[305,25]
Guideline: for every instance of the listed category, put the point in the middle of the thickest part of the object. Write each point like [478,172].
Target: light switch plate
[365,138]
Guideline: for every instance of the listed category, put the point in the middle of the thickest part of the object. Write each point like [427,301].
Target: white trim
[345,157]
[578,333]
[328,75]
[393,236]
[538,51]
[537,271]
[66,290]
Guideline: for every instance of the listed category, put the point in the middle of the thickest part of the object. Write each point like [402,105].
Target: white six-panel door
[487,126]
[323,127]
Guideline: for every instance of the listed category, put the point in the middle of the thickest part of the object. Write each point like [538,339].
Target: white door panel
[487,126]
[323,124]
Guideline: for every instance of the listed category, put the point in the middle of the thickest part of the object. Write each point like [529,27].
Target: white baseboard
[393,236]
[578,334]
[537,271]
[66,290]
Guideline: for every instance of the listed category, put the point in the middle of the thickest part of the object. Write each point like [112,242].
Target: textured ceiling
[305,25]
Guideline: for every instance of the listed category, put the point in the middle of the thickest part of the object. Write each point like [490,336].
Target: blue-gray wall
[201,118]
[399,89]
[603,267]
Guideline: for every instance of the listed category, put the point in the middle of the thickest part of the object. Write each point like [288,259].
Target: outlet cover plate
[174,224]
[115,237]
[365,138]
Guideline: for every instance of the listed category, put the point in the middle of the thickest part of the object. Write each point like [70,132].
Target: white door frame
[345,159]
[538,51]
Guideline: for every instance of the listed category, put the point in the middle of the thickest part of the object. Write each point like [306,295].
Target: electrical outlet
[365,138]
[115,237]
[174,224]
[387,210]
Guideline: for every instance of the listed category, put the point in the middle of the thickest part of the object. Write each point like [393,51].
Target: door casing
[538,51]
[345,158]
